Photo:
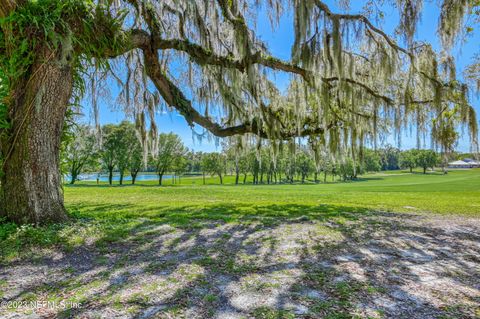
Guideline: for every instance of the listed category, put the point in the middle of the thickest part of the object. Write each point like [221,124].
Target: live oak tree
[351,82]
[42,50]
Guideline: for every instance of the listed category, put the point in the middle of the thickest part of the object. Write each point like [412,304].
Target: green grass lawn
[104,214]
[189,246]
[455,193]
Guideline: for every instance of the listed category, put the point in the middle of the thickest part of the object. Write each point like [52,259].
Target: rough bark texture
[7,6]
[31,184]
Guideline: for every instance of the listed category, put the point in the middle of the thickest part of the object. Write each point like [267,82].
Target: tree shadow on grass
[185,215]
[278,261]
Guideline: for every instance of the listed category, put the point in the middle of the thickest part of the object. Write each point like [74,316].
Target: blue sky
[280,41]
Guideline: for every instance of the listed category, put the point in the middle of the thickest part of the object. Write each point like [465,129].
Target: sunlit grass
[103,214]
[454,193]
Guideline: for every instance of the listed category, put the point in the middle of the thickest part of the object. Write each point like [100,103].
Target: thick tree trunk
[7,6]
[160,177]
[221,179]
[31,184]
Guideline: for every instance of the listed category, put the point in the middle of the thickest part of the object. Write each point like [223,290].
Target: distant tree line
[119,150]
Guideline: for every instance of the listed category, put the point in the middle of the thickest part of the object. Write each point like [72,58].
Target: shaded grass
[185,258]
[104,225]
[103,215]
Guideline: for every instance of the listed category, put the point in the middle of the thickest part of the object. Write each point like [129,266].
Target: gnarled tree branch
[175,98]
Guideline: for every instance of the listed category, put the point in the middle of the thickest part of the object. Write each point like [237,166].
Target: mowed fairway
[457,193]
[389,245]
